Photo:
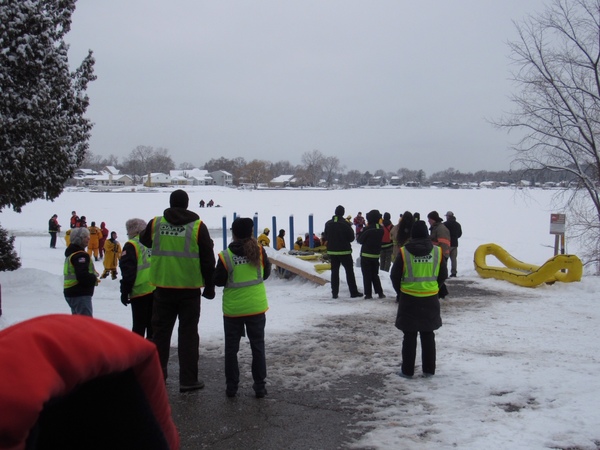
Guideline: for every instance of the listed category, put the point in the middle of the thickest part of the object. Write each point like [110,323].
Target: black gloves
[443,291]
[125,299]
[209,292]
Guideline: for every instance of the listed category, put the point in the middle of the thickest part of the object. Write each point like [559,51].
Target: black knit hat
[179,199]
[242,227]
[419,230]
[373,216]
[433,215]
[340,210]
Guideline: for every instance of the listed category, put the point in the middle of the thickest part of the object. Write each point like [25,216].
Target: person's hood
[180,216]
[420,246]
[72,248]
[237,247]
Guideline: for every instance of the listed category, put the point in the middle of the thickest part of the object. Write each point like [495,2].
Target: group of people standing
[167,265]
[418,273]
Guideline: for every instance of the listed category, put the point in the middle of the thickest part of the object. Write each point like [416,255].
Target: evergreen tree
[9,260]
[43,132]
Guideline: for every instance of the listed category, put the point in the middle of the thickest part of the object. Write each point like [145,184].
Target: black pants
[53,239]
[409,352]
[141,312]
[234,330]
[370,271]
[347,263]
[165,311]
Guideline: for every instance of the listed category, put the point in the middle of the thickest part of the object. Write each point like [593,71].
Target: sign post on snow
[557,228]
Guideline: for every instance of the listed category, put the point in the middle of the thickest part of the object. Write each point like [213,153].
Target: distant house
[377,181]
[156,179]
[489,184]
[112,170]
[283,181]
[222,178]
[192,177]
[395,180]
[108,179]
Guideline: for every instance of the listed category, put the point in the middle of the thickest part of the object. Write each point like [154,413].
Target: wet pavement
[293,416]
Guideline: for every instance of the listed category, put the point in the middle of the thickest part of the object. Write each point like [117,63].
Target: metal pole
[311,241]
[292,238]
[224,233]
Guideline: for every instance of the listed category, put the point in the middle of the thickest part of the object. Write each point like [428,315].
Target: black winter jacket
[417,313]
[338,234]
[86,281]
[370,239]
[455,231]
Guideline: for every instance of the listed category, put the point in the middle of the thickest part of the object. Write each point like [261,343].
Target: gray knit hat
[134,227]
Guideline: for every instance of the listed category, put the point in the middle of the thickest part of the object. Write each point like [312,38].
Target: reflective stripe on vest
[231,261]
[419,277]
[244,293]
[69,270]
[142,284]
[175,255]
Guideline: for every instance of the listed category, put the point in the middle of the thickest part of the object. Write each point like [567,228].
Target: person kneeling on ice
[241,269]
[418,276]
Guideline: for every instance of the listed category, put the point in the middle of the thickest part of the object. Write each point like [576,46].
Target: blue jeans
[80,305]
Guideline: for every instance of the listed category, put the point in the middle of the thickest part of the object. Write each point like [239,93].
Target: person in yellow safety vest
[94,245]
[80,277]
[183,262]
[135,282]
[112,254]
[264,239]
[418,276]
[241,269]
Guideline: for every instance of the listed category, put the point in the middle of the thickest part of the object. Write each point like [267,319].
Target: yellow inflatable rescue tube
[565,268]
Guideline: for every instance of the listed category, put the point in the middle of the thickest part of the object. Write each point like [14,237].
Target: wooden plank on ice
[309,276]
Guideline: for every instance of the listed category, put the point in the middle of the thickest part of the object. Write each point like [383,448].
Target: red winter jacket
[71,381]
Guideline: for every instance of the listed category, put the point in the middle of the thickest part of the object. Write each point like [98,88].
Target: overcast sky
[381,84]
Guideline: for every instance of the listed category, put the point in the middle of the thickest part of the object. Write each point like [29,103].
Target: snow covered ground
[517,369]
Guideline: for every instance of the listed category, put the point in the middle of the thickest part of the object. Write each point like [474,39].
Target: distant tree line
[315,169]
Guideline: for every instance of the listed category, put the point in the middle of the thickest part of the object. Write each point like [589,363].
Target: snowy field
[518,369]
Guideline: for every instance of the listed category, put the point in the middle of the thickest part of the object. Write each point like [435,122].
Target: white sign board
[557,223]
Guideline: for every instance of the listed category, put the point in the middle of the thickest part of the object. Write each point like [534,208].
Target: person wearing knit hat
[180,268]
[135,282]
[241,270]
[370,241]
[455,233]
[338,235]
[440,235]
[179,199]
[418,275]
